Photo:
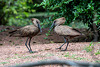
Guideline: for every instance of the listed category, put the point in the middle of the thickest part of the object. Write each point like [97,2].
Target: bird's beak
[39,27]
[52,26]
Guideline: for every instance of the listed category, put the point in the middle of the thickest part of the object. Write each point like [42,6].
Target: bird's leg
[63,43]
[66,45]
[30,50]
[26,44]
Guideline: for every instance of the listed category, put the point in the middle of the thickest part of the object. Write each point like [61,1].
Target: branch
[60,62]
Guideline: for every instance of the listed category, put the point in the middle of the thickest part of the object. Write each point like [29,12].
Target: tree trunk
[95,33]
[95,27]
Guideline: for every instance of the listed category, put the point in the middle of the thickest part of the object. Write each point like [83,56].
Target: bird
[65,31]
[28,31]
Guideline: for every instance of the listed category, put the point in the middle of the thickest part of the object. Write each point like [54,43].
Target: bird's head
[58,22]
[36,22]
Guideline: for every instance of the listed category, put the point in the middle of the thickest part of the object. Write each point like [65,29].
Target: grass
[21,40]
[11,58]
[74,57]
[97,61]
[13,43]
[49,54]
[18,64]
[89,48]
[4,62]
[3,30]
[22,63]
[67,55]
[98,52]
[16,44]
[10,41]
[16,38]
[23,57]
[44,60]
[80,58]
[51,41]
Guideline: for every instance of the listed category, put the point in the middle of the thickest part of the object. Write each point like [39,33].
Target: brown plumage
[28,31]
[64,30]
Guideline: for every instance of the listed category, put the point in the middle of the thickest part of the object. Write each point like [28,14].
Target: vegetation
[87,11]
[4,62]
[18,12]
[73,9]
[15,12]
[98,52]
[74,56]
[89,48]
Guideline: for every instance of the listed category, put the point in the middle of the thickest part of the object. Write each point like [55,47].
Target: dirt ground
[13,50]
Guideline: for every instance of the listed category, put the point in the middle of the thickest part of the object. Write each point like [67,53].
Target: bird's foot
[58,48]
[32,51]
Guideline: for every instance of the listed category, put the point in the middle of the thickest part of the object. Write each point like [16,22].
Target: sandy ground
[13,55]
[14,52]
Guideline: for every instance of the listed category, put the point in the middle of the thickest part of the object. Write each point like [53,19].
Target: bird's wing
[66,30]
[24,31]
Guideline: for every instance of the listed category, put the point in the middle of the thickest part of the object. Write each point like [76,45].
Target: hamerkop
[28,31]
[64,30]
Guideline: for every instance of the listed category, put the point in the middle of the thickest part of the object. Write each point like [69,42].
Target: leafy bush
[86,10]
[15,12]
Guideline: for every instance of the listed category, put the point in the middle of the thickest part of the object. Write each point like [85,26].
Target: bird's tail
[79,32]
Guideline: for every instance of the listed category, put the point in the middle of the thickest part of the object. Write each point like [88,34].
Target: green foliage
[15,12]
[67,55]
[78,24]
[74,9]
[80,58]
[73,56]
[48,34]
[98,52]
[89,48]
[97,61]
[4,62]
[49,54]
[2,30]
